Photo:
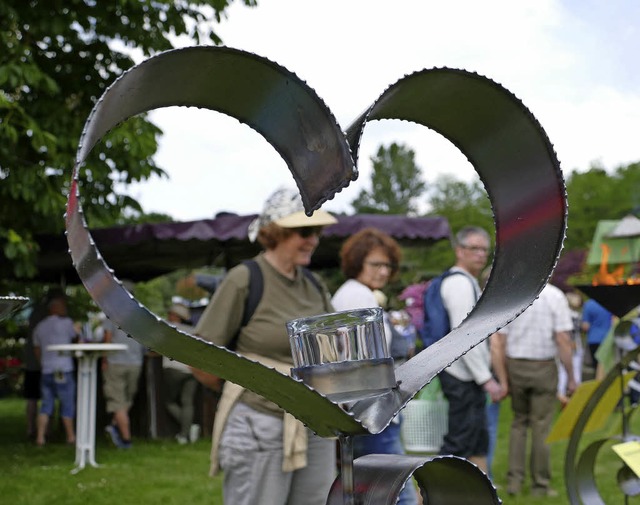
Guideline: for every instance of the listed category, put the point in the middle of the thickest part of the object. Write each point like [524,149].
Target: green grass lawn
[607,466]
[153,471]
[161,471]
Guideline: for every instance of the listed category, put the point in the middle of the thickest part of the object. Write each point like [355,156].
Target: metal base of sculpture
[580,467]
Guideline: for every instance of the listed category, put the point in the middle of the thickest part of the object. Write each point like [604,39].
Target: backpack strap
[436,318]
[469,278]
[256,288]
[316,283]
[254,294]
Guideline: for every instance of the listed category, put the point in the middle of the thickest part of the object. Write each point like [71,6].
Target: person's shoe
[114,436]
[126,444]
[194,433]
[513,489]
[544,492]
[182,440]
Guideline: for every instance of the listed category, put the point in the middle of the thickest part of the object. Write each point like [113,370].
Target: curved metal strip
[517,164]
[579,477]
[9,304]
[256,91]
[628,481]
[585,469]
[294,120]
[496,132]
[379,479]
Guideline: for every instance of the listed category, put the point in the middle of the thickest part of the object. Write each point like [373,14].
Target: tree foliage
[462,203]
[596,194]
[395,183]
[57,59]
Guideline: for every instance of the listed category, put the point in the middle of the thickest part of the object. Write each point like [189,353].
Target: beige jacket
[294,438]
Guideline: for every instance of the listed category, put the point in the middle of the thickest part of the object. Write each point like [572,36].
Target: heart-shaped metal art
[10,304]
[500,137]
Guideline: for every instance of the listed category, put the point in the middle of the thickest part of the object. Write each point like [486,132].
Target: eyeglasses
[378,265]
[475,249]
[308,231]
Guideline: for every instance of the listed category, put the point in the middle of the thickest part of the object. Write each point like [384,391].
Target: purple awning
[144,251]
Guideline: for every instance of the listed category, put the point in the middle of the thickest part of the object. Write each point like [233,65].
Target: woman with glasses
[369,259]
[268,456]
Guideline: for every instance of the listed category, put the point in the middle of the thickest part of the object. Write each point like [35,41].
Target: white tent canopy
[629,226]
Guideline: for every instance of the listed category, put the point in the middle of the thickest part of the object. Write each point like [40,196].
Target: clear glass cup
[342,355]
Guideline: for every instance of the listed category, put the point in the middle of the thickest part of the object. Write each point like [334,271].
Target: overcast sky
[573,63]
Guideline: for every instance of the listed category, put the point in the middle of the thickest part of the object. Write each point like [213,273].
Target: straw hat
[284,208]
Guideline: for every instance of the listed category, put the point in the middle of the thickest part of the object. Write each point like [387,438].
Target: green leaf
[55,63]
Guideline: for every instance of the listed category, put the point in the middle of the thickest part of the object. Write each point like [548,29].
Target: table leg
[86,412]
[93,376]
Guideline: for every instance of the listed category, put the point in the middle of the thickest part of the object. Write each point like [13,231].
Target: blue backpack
[436,319]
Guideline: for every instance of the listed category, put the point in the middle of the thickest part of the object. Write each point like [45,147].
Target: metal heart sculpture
[499,136]
[580,472]
[10,304]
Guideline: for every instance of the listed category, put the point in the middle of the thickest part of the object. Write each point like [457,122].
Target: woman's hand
[207,379]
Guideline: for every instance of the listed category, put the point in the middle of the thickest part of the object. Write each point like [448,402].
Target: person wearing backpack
[267,455]
[468,380]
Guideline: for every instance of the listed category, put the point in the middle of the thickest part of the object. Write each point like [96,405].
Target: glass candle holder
[342,355]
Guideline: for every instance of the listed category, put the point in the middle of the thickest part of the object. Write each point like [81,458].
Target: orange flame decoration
[604,277]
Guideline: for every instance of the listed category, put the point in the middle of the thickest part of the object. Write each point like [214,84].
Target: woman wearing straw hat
[250,432]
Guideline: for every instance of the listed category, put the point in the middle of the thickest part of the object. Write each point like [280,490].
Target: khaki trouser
[251,455]
[533,386]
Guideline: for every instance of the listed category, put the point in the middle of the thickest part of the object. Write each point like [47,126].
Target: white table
[87,355]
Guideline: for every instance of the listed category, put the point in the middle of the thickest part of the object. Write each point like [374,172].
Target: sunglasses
[308,231]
